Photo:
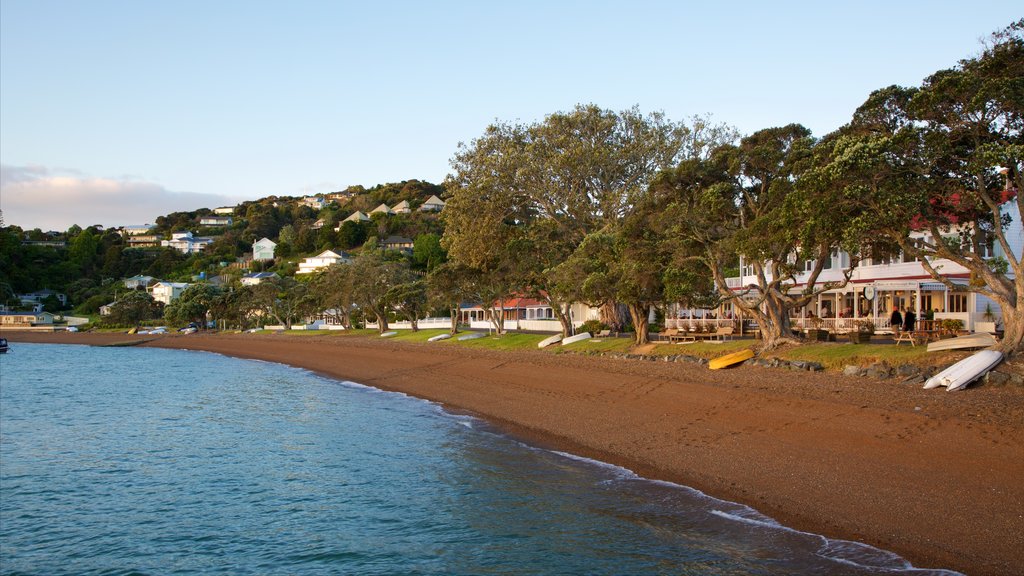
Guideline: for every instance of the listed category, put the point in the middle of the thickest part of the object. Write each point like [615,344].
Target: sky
[116,112]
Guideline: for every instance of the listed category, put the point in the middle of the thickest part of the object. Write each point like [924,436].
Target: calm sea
[141,461]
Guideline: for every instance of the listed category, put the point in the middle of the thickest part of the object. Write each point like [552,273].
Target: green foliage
[592,326]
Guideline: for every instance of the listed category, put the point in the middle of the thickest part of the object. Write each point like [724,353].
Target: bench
[723,333]
[673,335]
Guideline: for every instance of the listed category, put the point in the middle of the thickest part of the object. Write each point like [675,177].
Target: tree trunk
[638,313]
[561,312]
[1013,332]
[455,321]
[382,323]
[776,327]
[414,321]
[611,315]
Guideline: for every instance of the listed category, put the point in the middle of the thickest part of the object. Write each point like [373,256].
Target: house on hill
[322,260]
[215,221]
[137,282]
[432,204]
[185,243]
[263,249]
[224,210]
[314,202]
[397,243]
[356,216]
[257,278]
[167,292]
[383,208]
[401,208]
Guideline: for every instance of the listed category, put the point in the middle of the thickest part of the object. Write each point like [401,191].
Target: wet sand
[935,477]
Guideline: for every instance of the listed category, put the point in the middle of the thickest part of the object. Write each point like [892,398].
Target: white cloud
[54,199]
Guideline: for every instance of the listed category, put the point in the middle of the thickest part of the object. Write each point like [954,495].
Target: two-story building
[186,243]
[880,284]
[167,292]
[322,260]
[263,249]
[138,282]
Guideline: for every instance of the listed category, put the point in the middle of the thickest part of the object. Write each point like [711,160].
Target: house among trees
[137,282]
[25,319]
[397,243]
[321,261]
[314,202]
[432,204]
[401,208]
[224,210]
[140,235]
[215,221]
[383,208]
[167,292]
[356,217]
[258,277]
[185,243]
[263,249]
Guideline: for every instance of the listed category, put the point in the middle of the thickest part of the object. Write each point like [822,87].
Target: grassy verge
[836,356]
[707,350]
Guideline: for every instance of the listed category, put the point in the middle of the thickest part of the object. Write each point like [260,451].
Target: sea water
[143,461]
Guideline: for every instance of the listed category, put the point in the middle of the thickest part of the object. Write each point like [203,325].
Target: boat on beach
[978,340]
[964,372]
[731,359]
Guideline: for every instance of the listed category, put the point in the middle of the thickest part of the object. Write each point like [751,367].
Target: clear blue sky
[114,112]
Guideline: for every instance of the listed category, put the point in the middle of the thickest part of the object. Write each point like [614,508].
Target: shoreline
[933,477]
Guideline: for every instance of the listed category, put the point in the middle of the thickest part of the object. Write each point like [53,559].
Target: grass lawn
[704,349]
[836,356]
[593,346]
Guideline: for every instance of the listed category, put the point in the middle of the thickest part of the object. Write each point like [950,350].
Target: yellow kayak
[730,359]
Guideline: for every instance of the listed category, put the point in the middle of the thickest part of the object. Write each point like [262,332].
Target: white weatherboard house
[185,243]
[224,210]
[137,229]
[321,261]
[432,204]
[880,284]
[167,292]
[263,249]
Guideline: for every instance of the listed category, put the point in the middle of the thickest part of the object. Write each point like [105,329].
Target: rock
[878,370]
[997,378]
[907,370]
[852,371]
[797,365]
[815,367]
[915,379]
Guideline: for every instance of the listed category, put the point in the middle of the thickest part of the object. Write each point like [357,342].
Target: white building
[314,202]
[224,210]
[878,285]
[321,261]
[136,282]
[137,229]
[263,249]
[215,221]
[432,204]
[383,209]
[185,243]
[402,208]
[167,292]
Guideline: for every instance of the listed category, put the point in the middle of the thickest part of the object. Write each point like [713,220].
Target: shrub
[592,326]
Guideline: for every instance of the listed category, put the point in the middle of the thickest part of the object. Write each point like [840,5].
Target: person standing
[896,319]
[908,320]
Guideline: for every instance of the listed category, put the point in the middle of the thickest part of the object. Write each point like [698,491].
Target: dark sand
[936,477]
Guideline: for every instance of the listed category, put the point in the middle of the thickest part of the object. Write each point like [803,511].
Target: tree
[447,286]
[333,293]
[283,299]
[743,201]
[427,252]
[374,274]
[543,187]
[409,296]
[939,170]
[192,305]
[134,307]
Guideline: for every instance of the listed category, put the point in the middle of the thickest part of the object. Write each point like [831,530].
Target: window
[958,302]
